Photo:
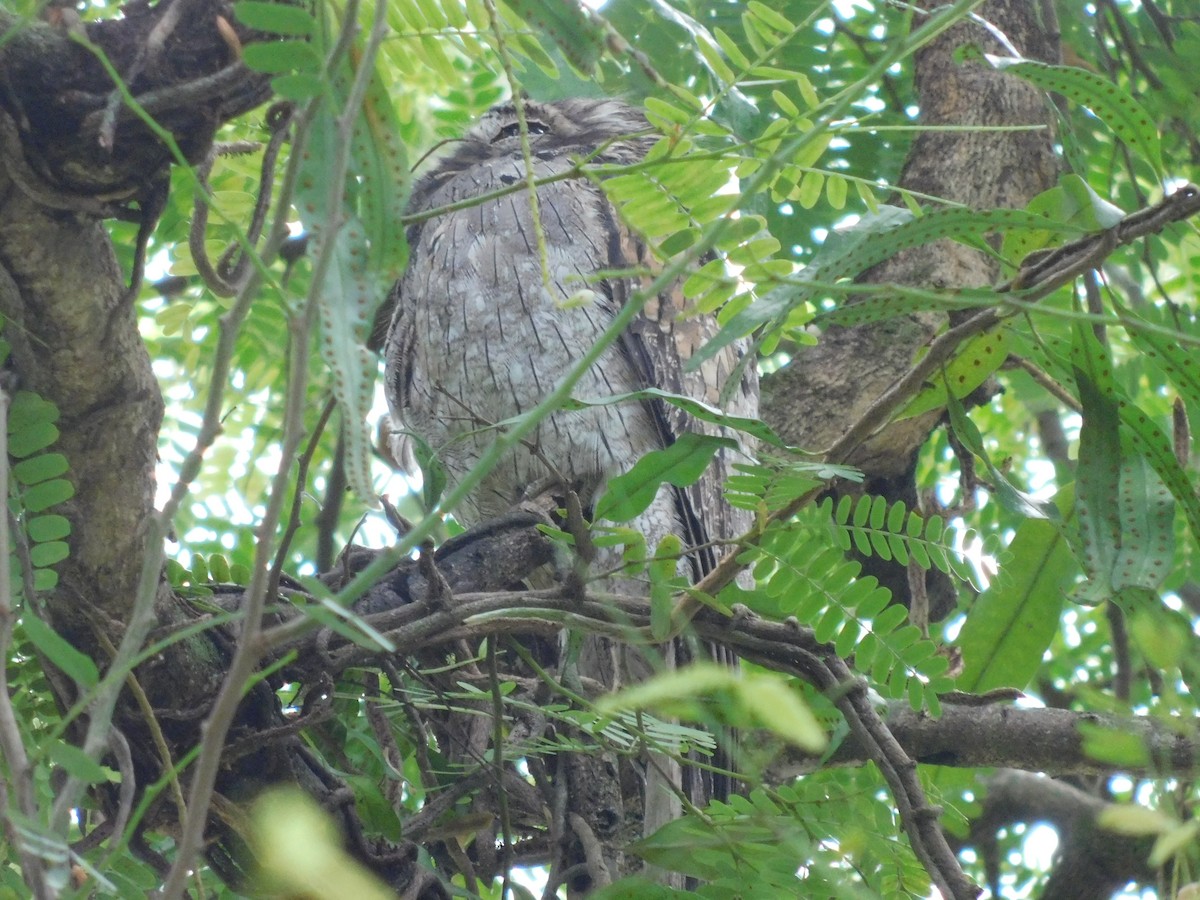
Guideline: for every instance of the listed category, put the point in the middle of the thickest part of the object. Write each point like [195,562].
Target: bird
[484,323]
[476,337]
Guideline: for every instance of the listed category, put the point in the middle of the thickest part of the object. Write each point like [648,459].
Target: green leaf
[664,583]
[1138,431]
[58,651]
[808,192]
[27,409]
[328,612]
[1178,360]
[977,359]
[628,496]
[770,17]
[1151,442]
[716,64]
[47,528]
[1147,512]
[1173,843]
[379,160]
[40,468]
[1124,115]
[297,86]
[218,569]
[1009,496]
[344,303]
[676,846]
[775,706]
[277,18]
[281,57]
[49,553]
[1128,818]
[1099,466]
[835,191]
[666,690]
[1010,625]
[573,31]
[1162,639]
[1071,202]
[299,846]
[47,494]
[31,438]
[364,256]
[199,573]
[76,762]
[1114,746]
[433,473]
[702,411]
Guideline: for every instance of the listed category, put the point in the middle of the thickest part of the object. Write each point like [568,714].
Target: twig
[330,511]
[250,647]
[155,729]
[128,790]
[1046,382]
[1122,660]
[293,524]
[920,820]
[506,832]
[197,231]
[592,851]
[151,202]
[236,260]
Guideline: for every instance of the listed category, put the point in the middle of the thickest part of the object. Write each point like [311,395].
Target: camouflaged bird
[477,336]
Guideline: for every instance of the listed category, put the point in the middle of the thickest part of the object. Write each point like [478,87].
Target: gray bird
[477,336]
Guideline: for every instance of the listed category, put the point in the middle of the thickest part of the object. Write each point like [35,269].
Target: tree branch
[1090,862]
[970,732]
[997,734]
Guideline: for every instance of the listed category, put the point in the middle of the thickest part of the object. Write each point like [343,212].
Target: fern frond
[37,484]
[873,528]
[807,577]
[773,484]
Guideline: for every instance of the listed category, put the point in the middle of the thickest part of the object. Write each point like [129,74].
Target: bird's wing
[658,344]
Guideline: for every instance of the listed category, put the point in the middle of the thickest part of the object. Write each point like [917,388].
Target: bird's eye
[513,129]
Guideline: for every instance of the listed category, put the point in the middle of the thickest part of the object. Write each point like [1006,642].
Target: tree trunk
[829,386]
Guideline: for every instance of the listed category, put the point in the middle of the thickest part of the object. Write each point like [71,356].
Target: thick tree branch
[970,732]
[78,346]
[79,135]
[1001,735]
[1091,862]
[837,381]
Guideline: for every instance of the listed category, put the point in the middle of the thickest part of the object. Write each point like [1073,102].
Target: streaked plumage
[476,338]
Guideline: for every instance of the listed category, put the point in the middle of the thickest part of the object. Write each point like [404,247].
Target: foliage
[775,183]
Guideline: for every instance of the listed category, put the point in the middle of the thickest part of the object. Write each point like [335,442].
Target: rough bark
[76,344]
[828,387]
[87,145]
[74,153]
[972,732]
